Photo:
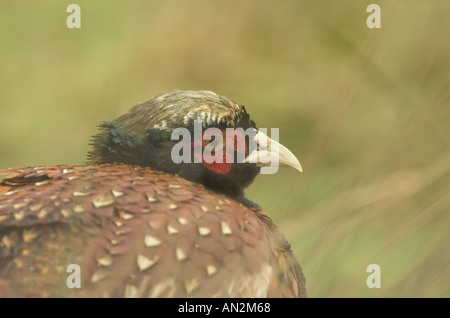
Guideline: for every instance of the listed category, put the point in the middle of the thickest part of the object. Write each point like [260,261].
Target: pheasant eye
[238,143]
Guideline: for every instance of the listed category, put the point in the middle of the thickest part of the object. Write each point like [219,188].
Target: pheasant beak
[269,152]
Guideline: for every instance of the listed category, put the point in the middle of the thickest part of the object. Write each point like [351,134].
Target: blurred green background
[367,111]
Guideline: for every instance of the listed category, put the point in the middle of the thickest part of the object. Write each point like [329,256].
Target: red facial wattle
[220,167]
[230,146]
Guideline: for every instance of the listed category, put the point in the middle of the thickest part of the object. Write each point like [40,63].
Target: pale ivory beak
[269,152]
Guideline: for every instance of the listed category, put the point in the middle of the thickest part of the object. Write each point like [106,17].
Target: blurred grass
[367,112]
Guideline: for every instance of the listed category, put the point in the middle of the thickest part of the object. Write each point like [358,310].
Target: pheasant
[133,222]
